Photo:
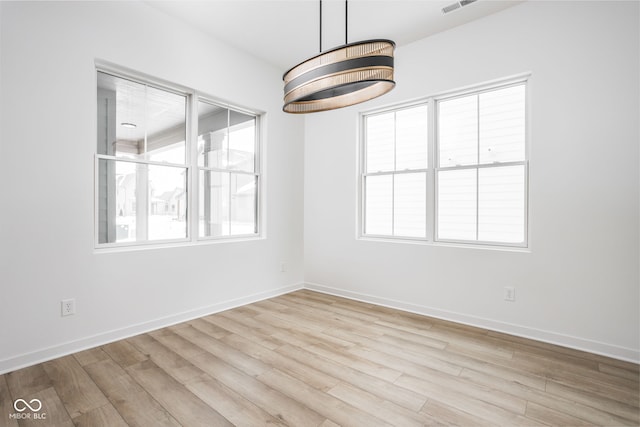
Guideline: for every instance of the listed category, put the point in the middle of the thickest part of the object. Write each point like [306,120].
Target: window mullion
[406,171]
[477,169]
[363,205]
[238,171]
[145,162]
[229,200]
[255,205]
[145,147]
[395,141]
[483,166]
[430,174]
[142,183]
[477,203]
[193,174]
[228,135]
[393,204]
[142,202]
[257,168]
[393,175]
[363,146]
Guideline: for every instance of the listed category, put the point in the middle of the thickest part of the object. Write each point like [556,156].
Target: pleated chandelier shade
[343,76]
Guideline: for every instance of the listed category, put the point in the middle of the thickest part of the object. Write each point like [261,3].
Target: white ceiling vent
[456,5]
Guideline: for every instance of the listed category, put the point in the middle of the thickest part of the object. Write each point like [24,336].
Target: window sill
[423,242]
[175,244]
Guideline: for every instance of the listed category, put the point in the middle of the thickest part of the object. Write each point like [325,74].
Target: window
[144,173]
[481,174]
[227,171]
[395,178]
[474,190]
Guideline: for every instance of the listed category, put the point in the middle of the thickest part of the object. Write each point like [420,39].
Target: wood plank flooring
[310,359]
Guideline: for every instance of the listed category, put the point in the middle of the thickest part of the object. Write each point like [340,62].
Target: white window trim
[191,165]
[362,173]
[432,168]
[257,173]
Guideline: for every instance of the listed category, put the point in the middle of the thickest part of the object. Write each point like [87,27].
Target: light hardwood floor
[309,359]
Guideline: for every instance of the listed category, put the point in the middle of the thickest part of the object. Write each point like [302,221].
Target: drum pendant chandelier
[343,76]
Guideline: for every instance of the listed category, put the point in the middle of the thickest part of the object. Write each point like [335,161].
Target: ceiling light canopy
[343,76]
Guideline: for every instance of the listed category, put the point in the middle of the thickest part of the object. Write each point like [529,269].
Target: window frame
[363,174]
[190,164]
[433,167]
[257,172]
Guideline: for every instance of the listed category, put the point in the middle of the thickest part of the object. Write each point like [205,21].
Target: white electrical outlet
[68,307]
[509,293]
[283,266]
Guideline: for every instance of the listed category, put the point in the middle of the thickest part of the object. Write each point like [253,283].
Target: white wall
[47,167]
[579,284]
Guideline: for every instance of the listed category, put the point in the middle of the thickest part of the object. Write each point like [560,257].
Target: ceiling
[286,32]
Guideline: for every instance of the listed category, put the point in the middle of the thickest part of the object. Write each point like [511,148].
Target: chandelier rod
[320,26]
[346,21]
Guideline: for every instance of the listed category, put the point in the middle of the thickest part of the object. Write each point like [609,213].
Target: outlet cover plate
[509,293]
[68,307]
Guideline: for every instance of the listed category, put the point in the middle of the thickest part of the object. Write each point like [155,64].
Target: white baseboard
[577,343]
[45,354]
